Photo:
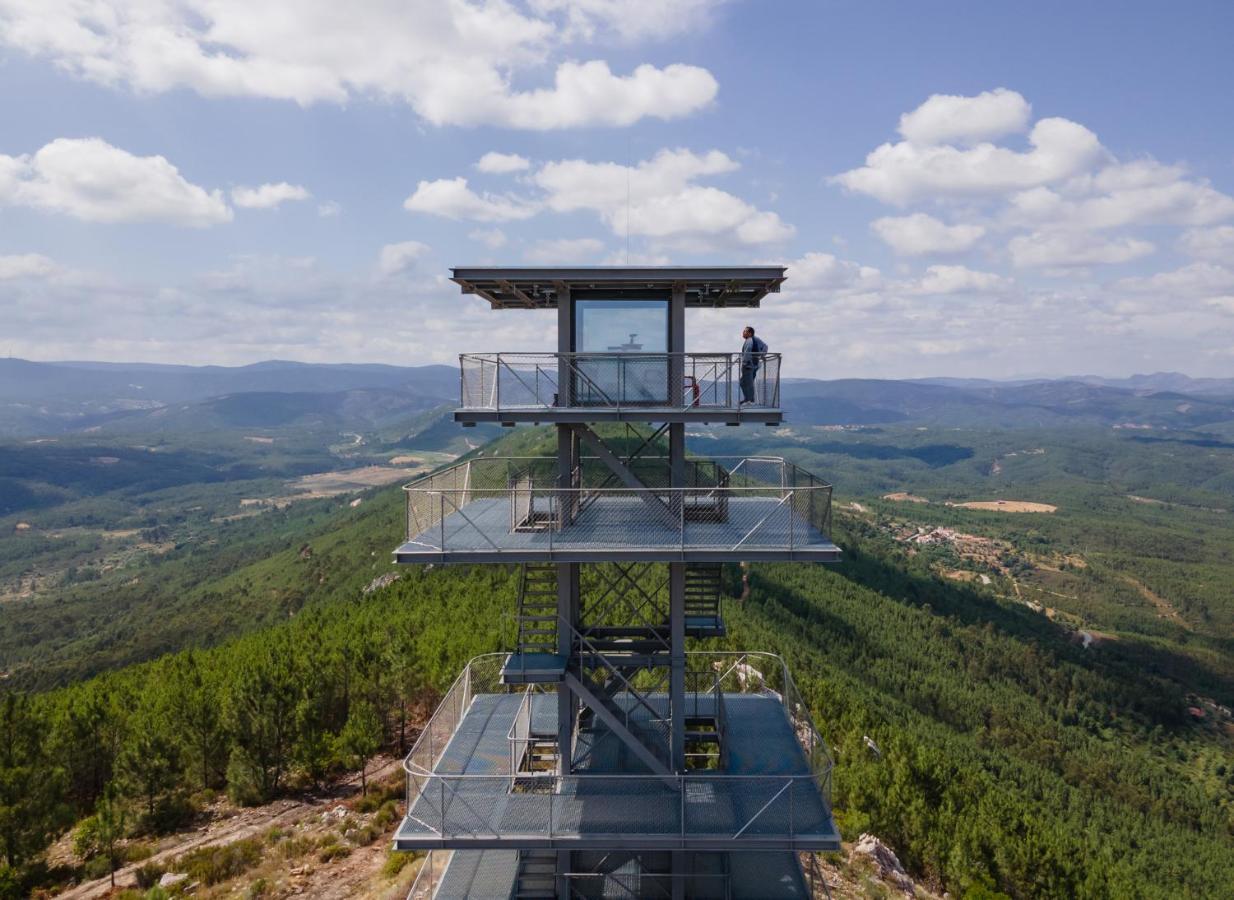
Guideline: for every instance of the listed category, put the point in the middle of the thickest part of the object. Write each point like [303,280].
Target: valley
[1027,618]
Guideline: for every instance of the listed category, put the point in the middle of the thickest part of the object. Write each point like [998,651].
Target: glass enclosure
[630,338]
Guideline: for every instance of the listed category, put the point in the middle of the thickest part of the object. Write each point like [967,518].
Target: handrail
[430,874]
[482,676]
[795,507]
[614,380]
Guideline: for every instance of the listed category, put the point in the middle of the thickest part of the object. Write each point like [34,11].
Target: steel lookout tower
[600,757]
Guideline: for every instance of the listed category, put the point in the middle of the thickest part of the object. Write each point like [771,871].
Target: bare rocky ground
[316,845]
[332,846]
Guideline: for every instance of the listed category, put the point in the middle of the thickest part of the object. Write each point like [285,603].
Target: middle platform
[511,510]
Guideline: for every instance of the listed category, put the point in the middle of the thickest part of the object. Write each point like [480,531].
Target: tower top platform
[540,287]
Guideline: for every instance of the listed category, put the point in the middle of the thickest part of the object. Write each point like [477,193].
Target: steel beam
[623,473]
[615,725]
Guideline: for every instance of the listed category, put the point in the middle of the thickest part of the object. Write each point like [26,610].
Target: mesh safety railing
[522,381]
[648,885]
[516,504]
[429,878]
[788,806]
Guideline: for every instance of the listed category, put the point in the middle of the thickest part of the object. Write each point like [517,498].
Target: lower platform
[473,874]
[764,796]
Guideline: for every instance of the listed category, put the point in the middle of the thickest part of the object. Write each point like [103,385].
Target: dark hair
[750,328]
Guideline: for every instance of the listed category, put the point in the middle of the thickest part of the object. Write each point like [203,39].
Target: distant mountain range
[1159,381]
[52,398]
[116,398]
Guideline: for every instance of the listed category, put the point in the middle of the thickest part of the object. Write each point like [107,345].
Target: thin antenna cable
[629,164]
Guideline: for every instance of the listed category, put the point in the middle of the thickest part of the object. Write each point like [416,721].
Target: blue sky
[987,189]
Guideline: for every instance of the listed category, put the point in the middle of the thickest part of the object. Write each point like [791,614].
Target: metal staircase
[704,584]
[537,609]
[612,698]
[536,875]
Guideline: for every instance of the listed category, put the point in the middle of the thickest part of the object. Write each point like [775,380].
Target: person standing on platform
[752,352]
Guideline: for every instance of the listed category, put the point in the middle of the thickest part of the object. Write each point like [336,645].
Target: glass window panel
[632,336]
[621,326]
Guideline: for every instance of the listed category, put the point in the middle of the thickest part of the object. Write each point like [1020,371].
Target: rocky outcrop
[886,862]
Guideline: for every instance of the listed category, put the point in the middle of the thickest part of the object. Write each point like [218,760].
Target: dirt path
[1162,605]
[247,823]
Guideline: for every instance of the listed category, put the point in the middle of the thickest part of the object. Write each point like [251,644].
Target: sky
[981,189]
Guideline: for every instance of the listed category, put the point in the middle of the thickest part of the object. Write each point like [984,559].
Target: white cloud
[630,19]
[493,238]
[945,117]
[958,280]
[395,259]
[454,63]
[329,209]
[495,163]
[919,234]
[828,273]
[453,199]
[904,172]
[1216,244]
[268,196]
[661,199]
[1200,279]
[1144,192]
[91,180]
[262,308]
[661,196]
[564,251]
[1062,249]
[26,265]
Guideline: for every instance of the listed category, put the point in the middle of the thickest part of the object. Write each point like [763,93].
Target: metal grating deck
[490,875]
[618,527]
[598,808]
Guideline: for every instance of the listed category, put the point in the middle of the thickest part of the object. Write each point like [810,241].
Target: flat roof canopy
[539,288]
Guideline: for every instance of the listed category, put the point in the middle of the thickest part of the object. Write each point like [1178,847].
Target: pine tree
[196,712]
[109,829]
[31,788]
[149,763]
[361,737]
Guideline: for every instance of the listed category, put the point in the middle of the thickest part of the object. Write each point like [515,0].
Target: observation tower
[600,757]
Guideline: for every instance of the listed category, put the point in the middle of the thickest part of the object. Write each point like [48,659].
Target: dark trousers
[747,383]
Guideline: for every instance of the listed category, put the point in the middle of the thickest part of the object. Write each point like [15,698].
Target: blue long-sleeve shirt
[752,352]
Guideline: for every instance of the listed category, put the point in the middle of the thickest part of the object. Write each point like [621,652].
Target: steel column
[567,573]
[677,673]
[680,869]
[563,866]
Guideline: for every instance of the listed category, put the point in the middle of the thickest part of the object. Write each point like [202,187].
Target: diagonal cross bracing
[623,473]
[615,724]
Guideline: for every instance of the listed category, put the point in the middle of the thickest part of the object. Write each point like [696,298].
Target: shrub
[333,851]
[362,835]
[243,783]
[137,851]
[387,815]
[210,865]
[396,862]
[291,847]
[148,875]
[97,867]
[379,793]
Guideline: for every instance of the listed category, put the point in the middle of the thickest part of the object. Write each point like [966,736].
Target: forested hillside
[1009,759]
[1021,703]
